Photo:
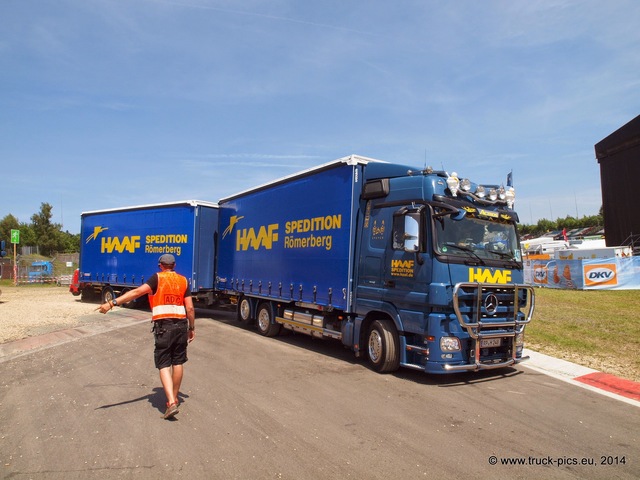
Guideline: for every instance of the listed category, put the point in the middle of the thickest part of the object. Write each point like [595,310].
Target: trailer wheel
[107,294]
[244,310]
[264,321]
[131,304]
[383,346]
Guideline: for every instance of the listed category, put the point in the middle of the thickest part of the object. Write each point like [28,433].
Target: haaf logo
[402,263]
[109,244]
[600,275]
[402,268]
[248,238]
[486,276]
[130,244]
[96,231]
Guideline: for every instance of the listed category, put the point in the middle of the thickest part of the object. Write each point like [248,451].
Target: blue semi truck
[119,248]
[406,266]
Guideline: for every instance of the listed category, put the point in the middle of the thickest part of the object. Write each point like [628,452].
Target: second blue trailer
[120,248]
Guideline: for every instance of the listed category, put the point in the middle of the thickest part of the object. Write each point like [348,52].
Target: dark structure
[619,159]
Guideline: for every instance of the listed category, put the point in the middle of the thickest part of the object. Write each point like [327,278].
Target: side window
[406,231]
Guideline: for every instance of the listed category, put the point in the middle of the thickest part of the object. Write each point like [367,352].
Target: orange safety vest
[168,301]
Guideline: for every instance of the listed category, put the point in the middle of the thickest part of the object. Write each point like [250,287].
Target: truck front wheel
[383,346]
[264,321]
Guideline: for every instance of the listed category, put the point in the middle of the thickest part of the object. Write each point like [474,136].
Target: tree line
[41,232]
[50,239]
[569,223]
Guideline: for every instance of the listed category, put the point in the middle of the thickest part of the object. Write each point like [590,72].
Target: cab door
[405,254]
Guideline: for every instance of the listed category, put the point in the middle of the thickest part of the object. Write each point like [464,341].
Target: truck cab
[440,273]
[40,271]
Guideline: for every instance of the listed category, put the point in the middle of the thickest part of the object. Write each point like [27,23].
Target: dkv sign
[600,275]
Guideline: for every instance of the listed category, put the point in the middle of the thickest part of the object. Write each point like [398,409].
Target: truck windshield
[477,237]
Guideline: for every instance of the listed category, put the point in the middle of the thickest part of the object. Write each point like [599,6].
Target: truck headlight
[450,344]
[520,339]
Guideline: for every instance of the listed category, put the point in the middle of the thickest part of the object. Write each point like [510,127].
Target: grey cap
[167,259]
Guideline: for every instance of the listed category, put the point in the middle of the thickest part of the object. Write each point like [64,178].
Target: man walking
[173,319]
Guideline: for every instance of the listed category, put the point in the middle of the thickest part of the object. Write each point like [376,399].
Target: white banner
[618,273]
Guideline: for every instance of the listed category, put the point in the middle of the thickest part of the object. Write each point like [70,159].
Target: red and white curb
[627,391]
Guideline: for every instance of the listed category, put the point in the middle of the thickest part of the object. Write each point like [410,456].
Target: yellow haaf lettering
[130,244]
[246,237]
[485,276]
[402,263]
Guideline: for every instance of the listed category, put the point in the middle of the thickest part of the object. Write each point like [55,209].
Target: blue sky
[110,103]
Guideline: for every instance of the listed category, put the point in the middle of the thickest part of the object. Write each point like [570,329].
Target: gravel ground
[28,311]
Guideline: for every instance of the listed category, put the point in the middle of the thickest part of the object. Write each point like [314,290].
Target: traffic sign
[15,236]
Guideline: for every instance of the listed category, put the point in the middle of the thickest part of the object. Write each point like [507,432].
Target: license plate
[490,342]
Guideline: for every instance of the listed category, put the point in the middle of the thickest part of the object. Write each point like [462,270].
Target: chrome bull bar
[492,311]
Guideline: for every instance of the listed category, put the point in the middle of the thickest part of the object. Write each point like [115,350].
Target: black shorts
[172,337]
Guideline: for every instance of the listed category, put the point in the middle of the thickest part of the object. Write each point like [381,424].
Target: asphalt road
[293,407]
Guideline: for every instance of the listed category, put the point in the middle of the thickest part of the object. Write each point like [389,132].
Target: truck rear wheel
[383,346]
[244,310]
[264,321]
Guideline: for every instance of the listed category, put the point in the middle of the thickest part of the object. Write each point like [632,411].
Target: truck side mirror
[406,231]
[411,233]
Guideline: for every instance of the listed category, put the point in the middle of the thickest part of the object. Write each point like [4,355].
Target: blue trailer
[406,266]
[120,248]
